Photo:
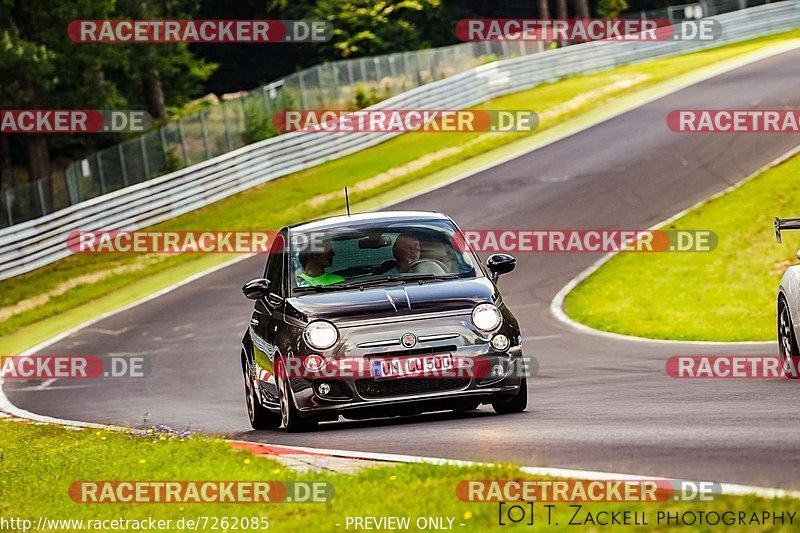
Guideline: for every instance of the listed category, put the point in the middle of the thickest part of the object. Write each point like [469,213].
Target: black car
[374,315]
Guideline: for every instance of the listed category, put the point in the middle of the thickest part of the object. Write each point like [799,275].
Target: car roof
[378,216]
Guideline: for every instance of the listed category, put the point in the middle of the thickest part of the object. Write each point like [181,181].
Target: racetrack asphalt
[597,403]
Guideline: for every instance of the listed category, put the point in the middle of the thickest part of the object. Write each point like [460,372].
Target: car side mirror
[500,264]
[256,289]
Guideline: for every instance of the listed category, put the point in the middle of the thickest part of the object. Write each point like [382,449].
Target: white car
[789,306]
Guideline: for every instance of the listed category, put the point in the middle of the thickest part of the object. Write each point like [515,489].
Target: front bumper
[364,397]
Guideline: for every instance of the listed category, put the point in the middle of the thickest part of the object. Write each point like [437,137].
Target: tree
[561,9]
[611,8]
[582,9]
[369,27]
[159,68]
[42,69]
[544,9]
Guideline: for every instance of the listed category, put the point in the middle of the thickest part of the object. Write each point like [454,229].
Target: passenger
[314,264]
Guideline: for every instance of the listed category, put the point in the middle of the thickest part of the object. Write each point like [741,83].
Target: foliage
[611,8]
[365,97]
[367,27]
[180,72]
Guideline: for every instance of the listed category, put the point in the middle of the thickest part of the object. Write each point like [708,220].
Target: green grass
[286,200]
[39,463]
[724,295]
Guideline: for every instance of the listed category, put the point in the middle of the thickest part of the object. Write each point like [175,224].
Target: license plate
[410,366]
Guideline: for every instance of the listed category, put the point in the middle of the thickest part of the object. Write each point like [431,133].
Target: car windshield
[377,253]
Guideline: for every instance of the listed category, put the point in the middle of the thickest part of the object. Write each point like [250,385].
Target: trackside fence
[38,242]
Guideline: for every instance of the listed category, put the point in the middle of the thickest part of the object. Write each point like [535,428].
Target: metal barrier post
[145,162]
[122,165]
[73,186]
[41,197]
[100,173]
[183,144]
[162,134]
[204,128]
[8,208]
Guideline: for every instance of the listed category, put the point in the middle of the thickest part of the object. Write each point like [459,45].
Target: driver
[406,251]
[314,264]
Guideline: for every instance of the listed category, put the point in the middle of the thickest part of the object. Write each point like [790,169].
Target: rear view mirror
[500,264]
[256,289]
[374,242]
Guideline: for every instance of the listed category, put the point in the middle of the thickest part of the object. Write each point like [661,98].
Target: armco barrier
[30,245]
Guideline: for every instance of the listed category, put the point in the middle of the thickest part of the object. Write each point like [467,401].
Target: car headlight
[486,317]
[500,342]
[320,334]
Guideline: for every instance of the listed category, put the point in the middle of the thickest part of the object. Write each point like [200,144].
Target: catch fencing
[35,243]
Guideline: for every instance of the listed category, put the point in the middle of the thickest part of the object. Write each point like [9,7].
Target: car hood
[395,301]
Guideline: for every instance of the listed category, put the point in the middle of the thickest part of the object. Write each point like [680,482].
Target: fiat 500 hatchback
[374,315]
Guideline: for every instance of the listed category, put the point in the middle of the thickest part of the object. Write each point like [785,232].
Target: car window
[371,252]
[275,267]
[348,255]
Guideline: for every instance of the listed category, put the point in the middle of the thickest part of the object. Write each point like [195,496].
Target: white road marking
[539,337]
[45,384]
[726,488]
[557,305]
[9,408]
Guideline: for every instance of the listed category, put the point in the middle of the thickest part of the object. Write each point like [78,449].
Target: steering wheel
[417,265]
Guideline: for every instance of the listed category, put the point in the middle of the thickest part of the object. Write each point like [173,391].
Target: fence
[694,10]
[29,245]
[222,128]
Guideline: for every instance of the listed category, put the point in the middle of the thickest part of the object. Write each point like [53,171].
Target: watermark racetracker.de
[477,240]
[200,31]
[584,30]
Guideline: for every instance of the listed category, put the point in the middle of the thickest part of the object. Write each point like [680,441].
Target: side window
[275,265]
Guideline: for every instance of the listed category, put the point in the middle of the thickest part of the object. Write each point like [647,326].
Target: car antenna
[347,201]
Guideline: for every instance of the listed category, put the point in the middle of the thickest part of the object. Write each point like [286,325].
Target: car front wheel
[787,343]
[518,402]
[290,416]
[260,418]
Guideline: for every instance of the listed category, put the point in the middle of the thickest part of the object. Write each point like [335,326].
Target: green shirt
[325,279]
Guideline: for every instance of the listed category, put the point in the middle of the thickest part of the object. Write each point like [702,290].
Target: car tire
[518,402]
[260,417]
[787,342]
[290,416]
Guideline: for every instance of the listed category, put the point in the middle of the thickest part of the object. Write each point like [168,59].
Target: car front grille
[369,388]
[433,350]
[299,384]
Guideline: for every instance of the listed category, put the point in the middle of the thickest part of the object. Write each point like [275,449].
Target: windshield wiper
[320,288]
[400,279]
[428,277]
[369,282]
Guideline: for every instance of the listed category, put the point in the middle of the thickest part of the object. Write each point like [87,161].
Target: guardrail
[223,127]
[30,245]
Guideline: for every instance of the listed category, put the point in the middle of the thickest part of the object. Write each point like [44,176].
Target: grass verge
[35,306]
[725,295]
[39,463]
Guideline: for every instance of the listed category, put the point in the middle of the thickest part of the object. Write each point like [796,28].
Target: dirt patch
[391,174]
[780,267]
[620,82]
[41,299]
